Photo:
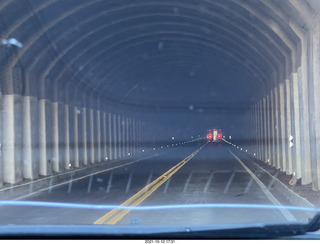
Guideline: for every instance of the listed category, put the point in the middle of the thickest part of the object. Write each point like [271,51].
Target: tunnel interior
[81,79]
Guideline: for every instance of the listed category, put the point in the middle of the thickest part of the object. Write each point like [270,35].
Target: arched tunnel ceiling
[156,52]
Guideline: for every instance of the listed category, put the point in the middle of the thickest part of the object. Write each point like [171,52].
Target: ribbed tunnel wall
[63,91]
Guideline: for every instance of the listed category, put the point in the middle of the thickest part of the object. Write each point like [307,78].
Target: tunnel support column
[272,146]
[253,138]
[124,134]
[27,139]
[283,119]
[261,130]
[119,135]
[104,136]
[134,136]
[84,144]
[315,106]
[130,136]
[98,143]
[30,148]
[304,124]
[62,143]
[114,132]
[289,162]
[55,136]
[11,147]
[91,136]
[110,156]
[8,142]
[141,147]
[257,147]
[42,138]
[265,129]
[76,131]
[127,137]
[66,143]
[277,129]
[138,137]
[295,121]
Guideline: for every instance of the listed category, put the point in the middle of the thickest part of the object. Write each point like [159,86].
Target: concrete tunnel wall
[41,136]
[53,116]
[285,121]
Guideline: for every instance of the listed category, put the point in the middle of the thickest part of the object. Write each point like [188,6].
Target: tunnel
[91,83]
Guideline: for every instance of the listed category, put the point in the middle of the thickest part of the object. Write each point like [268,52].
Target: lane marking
[246,190]
[90,184]
[115,215]
[50,188]
[272,198]
[187,182]
[129,182]
[166,186]
[109,182]
[226,189]
[70,185]
[150,177]
[208,183]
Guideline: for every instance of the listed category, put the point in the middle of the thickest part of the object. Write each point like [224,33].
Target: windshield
[159,113]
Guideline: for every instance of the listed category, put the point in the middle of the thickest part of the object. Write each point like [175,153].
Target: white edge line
[271,197]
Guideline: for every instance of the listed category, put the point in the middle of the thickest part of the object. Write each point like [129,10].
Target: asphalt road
[193,174]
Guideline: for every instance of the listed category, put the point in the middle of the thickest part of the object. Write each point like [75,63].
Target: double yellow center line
[116,215]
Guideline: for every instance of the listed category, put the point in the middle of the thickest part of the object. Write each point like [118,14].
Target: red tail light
[219,136]
[209,136]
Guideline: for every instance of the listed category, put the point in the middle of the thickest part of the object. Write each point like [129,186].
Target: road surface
[195,173]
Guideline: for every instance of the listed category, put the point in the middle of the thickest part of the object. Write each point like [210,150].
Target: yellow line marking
[116,214]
